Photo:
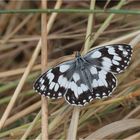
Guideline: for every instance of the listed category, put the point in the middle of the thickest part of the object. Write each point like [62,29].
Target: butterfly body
[86,77]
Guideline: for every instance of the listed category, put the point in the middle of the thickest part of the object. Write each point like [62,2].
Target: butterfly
[87,77]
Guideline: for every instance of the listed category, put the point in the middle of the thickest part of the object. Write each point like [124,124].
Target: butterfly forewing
[54,82]
[114,58]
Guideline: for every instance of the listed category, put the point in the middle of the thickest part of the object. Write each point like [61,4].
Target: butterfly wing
[102,84]
[54,82]
[114,58]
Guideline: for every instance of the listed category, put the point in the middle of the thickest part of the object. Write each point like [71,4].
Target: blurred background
[19,36]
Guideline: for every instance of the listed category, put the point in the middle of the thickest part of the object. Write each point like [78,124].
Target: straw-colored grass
[21,62]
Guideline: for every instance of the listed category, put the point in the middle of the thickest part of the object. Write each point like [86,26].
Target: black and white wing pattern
[114,58]
[94,83]
[54,82]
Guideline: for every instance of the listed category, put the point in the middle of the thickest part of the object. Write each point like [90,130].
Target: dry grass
[20,61]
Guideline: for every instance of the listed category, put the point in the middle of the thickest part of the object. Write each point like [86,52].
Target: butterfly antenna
[90,35]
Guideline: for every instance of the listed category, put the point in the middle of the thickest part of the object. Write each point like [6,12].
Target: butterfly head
[77,55]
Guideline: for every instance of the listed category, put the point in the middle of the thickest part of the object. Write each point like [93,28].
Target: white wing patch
[96,54]
[50,76]
[93,70]
[111,51]
[102,76]
[42,87]
[84,87]
[51,85]
[56,87]
[115,62]
[76,77]
[106,63]
[95,83]
[120,47]
[62,81]
[64,68]
[116,57]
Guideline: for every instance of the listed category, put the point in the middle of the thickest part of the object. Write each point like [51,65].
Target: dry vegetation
[117,117]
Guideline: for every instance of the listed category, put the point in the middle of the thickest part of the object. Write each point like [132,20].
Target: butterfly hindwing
[114,58]
[102,83]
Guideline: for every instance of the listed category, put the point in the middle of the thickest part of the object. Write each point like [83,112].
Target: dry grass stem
[44,61]
[113,128]
[22,113]
[27,132]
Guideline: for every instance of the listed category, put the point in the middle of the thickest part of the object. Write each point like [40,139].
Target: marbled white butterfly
[86,77]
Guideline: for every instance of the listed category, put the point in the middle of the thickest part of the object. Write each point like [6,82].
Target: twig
[44,61]
[74,124]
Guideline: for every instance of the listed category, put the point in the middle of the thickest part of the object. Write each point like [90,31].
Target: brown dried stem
[44,61]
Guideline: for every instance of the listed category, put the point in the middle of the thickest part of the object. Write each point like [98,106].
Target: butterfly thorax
[81,67]
[79,61]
